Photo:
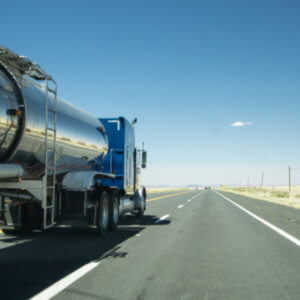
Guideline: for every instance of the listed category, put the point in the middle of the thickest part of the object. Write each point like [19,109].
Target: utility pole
[290,179]
[262,180]
[248,182]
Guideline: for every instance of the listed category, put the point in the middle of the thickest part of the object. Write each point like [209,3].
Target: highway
[193,245]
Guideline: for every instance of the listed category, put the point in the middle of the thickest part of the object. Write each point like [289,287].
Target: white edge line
[180,206]
[162,218]
[62,284]
[278,230]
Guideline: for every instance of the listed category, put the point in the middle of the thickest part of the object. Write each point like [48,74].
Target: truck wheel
[114,211]
[26,224]
[141,211]
[103,214]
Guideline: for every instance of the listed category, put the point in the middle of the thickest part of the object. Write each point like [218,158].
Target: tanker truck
[59,163]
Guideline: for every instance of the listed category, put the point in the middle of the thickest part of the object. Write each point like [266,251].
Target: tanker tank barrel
[25,125]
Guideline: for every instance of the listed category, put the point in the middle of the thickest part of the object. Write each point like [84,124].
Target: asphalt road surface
[195,245]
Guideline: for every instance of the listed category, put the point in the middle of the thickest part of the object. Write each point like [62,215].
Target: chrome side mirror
[144,159]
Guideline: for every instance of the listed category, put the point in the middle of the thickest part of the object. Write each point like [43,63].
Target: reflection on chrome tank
[80,137]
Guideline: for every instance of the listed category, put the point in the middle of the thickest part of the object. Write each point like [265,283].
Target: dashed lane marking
[273,227]
[62,284]
[179,206]
[162,218]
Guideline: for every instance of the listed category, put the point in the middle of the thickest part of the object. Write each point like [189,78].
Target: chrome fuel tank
[80,137]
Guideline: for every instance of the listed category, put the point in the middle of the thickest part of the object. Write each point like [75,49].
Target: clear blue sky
[186,69]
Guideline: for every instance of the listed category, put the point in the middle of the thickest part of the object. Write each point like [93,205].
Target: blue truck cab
[125,161]
[122,157]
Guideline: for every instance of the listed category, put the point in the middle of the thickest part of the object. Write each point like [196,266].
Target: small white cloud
[241,124]
[237,124]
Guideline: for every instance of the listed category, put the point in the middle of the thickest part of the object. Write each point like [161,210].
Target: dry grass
[275,194]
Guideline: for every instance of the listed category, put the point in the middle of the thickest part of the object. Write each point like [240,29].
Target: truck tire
[26,224]
[141,211]
[114,210]
[103,214]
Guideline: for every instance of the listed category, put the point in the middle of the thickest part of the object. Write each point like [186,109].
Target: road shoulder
[286,218]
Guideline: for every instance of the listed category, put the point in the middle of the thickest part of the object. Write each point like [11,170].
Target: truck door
[129,168]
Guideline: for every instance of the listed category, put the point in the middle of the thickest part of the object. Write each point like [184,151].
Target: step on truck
[59,163]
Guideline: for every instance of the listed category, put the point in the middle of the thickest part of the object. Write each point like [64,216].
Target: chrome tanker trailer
[57,162]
